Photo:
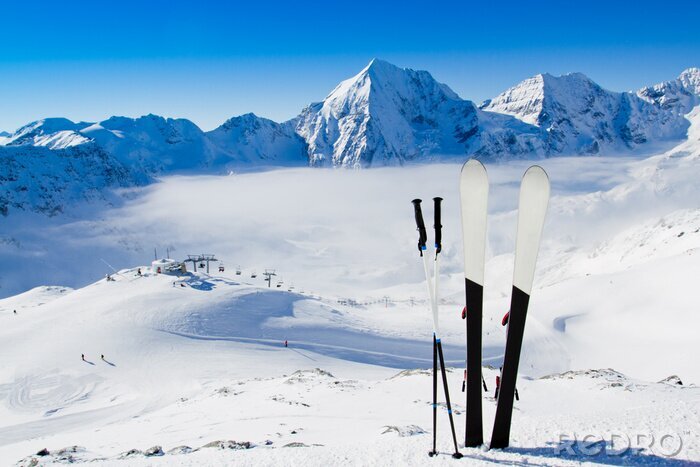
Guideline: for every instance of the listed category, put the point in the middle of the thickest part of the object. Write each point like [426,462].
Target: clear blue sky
[207,61]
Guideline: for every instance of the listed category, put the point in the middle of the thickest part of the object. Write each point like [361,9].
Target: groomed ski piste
[195,371]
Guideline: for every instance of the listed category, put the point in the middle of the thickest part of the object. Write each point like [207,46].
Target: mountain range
[384,115]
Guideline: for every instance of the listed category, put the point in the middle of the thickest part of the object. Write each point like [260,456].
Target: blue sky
[208,61]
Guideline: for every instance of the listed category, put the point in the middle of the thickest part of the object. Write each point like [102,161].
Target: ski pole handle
[422,235]
[438,225]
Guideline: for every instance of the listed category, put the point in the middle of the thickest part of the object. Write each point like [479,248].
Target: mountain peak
[690,72]
[386,115]
[377,65]
[578,116]
[690,79]
[680,95]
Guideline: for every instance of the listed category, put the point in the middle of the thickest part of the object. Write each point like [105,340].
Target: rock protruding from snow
[256,140]
[680,95]
[673,380]
[578,116]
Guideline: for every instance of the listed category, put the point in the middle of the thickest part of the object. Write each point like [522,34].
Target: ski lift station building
[168,266]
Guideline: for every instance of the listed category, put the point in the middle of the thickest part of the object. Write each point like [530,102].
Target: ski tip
[536,171]
[535,176]
[473,164]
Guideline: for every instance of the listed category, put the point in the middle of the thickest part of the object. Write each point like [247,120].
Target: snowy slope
[200,365]
[52,133]
[250,139]
[153,144]
[580,117]
[679,95]
[51,181]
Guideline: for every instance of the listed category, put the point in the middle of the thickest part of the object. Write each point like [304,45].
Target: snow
[580,117]
[160,387]
[255,140]
[679,95]
[386,115]
[200,359]
[195,370]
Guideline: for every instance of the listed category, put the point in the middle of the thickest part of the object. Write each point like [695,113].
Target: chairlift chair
[254,275]
[238,271]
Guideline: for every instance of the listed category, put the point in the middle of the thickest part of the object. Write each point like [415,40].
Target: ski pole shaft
[431,295]
[435,369]
[456,454]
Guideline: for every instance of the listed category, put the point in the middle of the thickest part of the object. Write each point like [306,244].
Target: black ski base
[474,425]
[506,392]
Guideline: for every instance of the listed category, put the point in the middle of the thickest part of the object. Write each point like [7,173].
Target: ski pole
[422,239]
[437,225]
[437,345]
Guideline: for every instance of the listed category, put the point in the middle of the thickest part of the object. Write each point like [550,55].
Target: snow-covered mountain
[389,115]
[44,180]
[679,95]
[256,140]
[150,144]
[54,162]
[580,117]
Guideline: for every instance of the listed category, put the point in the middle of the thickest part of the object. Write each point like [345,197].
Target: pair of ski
[433,296]
[532,208]
[474,187]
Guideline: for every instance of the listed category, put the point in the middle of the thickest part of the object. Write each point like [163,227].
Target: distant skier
[285,343]
[138,273]
[82,356]
[102,357]
[14,311]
